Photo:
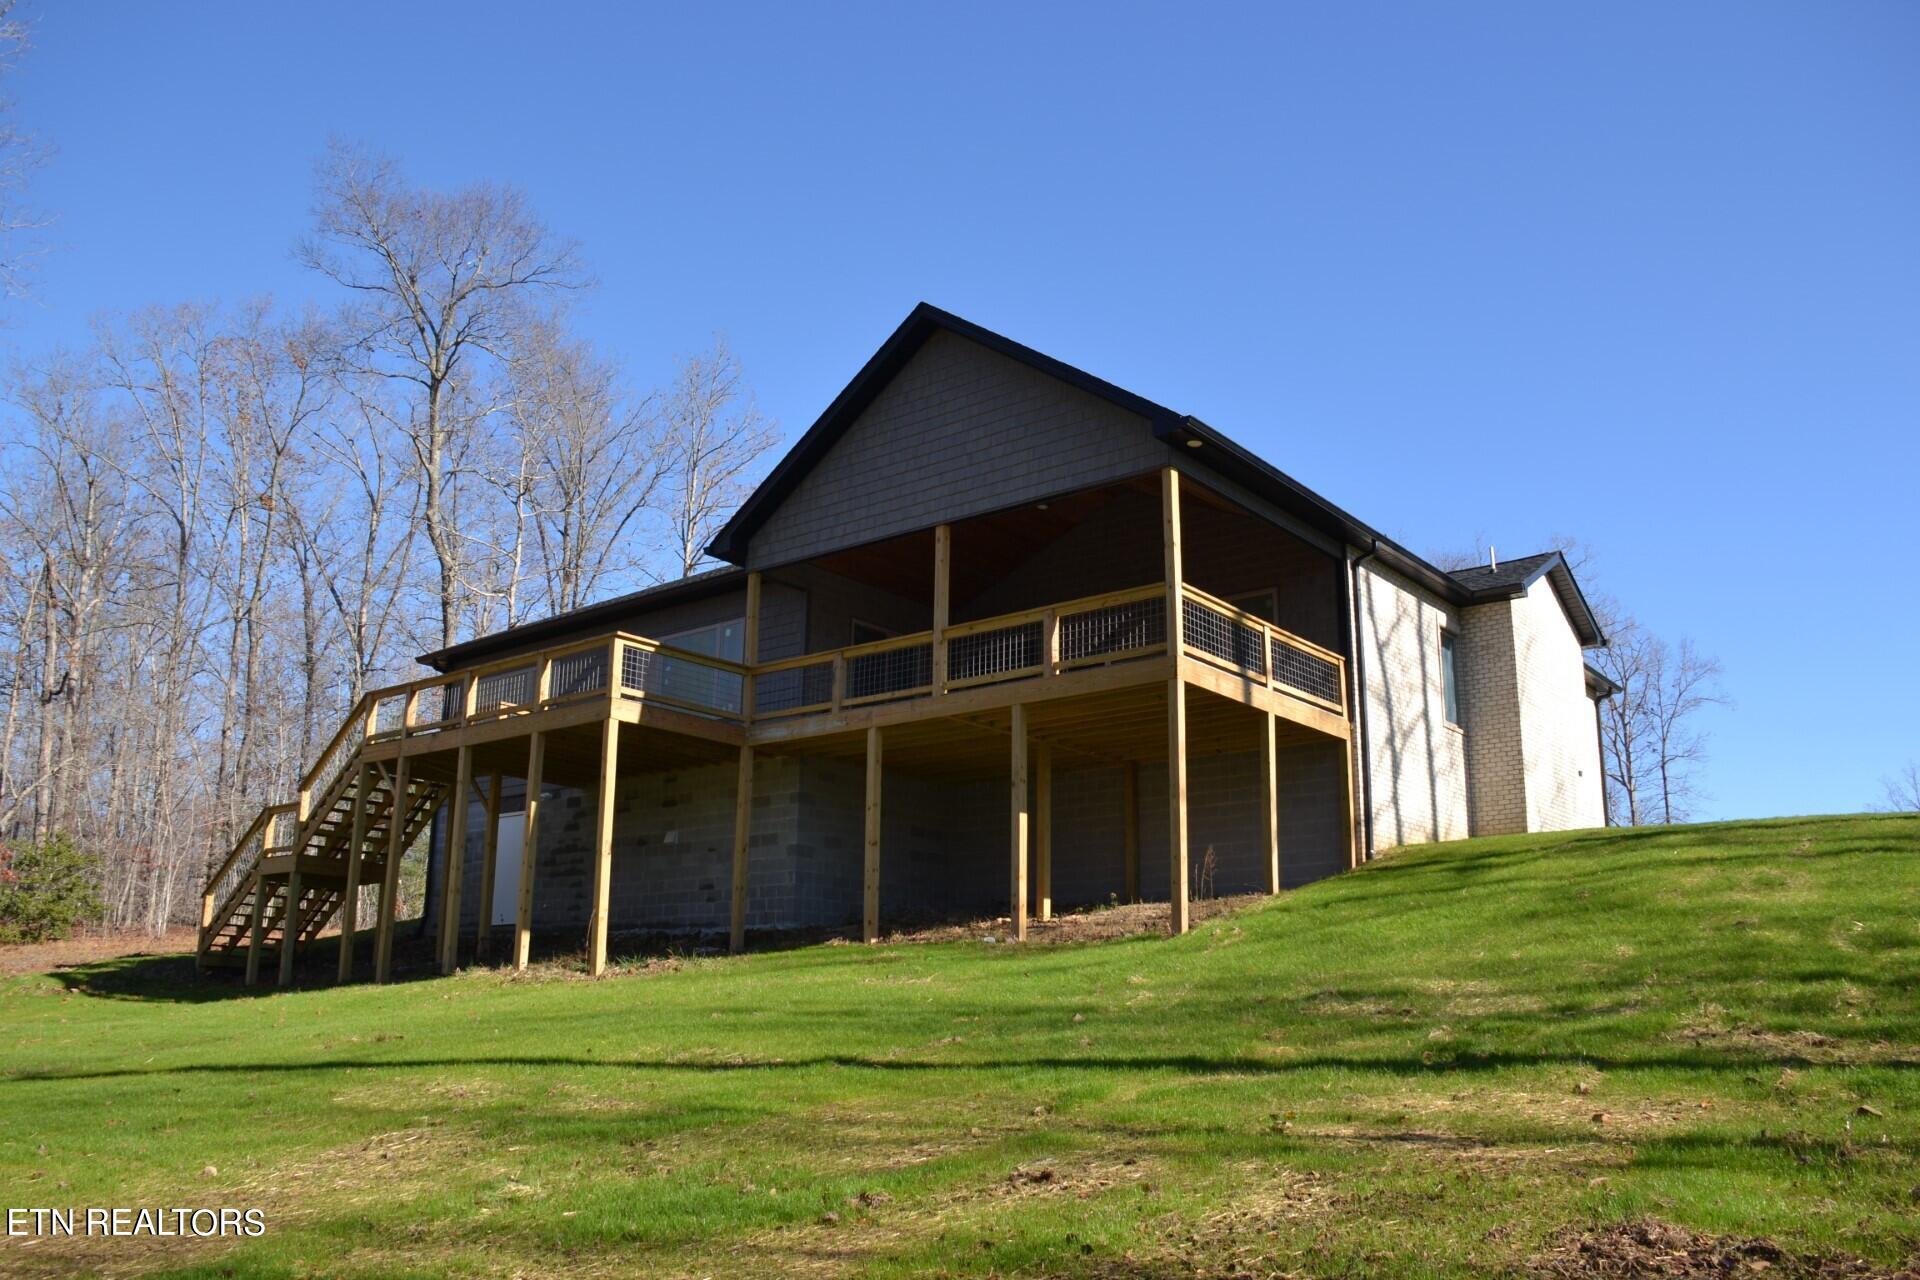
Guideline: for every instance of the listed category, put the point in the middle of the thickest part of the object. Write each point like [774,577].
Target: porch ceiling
[1115,727]
[985,547]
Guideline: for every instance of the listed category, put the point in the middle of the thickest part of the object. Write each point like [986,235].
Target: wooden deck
[1148,675]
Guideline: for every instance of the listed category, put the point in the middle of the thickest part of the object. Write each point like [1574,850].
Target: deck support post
[942,602]
[870,881]
[603,847]
[456,856]
[1042,831]
[742,839]
[1130,829]
[290,925]
[397,806]
[489,855]
[257,930]
[356,851]
[1270,801]
[523,917]
[1018,821]
[1177,915]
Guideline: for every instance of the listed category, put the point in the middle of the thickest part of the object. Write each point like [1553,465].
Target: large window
[1449,681]
[700,685]
[721,640]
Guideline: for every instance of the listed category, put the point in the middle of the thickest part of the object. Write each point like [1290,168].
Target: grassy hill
[1463,1059]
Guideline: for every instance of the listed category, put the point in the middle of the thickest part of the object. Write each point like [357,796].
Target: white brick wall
[1562,752]
[1533,757]
[1418,761]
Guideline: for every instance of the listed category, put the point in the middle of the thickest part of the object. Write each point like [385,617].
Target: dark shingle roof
[1510,578]
[1508,574]
[557,628]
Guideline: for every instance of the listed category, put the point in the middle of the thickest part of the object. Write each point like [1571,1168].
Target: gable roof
[1511,579]
[1185,436]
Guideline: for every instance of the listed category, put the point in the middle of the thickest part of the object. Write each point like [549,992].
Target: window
[1261,604]
[859,632]
[703,686]
[1449,681]
[721,640]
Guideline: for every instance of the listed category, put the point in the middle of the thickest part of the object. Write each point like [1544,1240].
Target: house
[994,636]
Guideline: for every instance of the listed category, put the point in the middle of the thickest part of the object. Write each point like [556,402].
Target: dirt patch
[39,957]
[1651,1248]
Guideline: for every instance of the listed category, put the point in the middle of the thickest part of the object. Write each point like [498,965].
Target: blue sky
[1647,274]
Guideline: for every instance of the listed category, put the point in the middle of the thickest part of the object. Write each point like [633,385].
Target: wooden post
[258,928]
[839,678]
[523,917]
[290,924]
[750,646]
[456,855]
[356,851]
[397,806]
[1043,830]
[206,932]
[1270,800]
[1172,561]
[603,847]
[489,855]
[1130,828]
[1050,643]
[1177,805]
[1176,705]
[742,837]
[942,602]
[1017,810]
[870,896]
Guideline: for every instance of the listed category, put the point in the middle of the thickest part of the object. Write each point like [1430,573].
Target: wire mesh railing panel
[651,673]
[899,670]
[574,674]
[388,714]
[1223,636]
[503,690]
[981,655]
[1308,672]
[784,690]
[335,762]
[282,828]
[1114,628]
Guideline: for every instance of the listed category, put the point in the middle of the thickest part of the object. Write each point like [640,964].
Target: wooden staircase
[286,879]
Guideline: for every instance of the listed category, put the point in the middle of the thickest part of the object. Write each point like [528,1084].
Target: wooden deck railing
[1097,630]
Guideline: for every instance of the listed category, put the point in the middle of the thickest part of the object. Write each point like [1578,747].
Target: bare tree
[20,156]
[712,435]
[444,281]
[596,466]
[1684,683]
[1903,788]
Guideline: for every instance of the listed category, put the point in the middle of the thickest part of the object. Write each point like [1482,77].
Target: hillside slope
[1466,1059]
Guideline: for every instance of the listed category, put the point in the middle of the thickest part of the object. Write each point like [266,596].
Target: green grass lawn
[1434,1066]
